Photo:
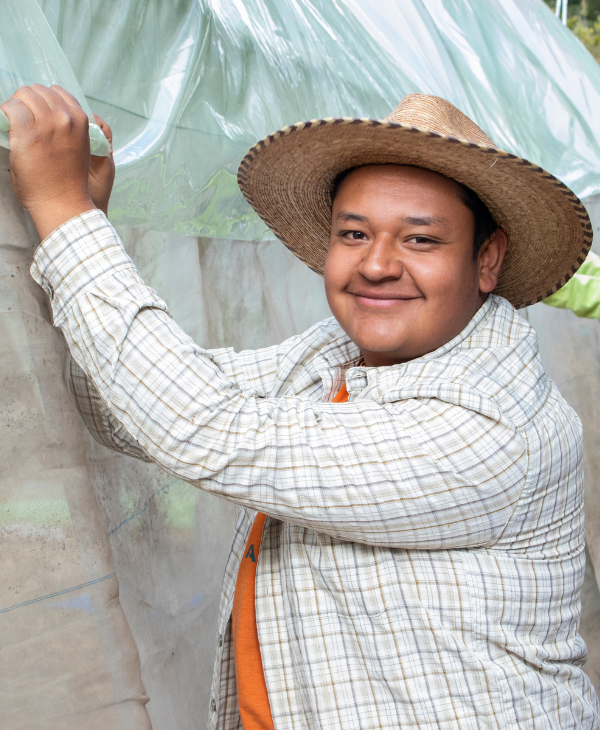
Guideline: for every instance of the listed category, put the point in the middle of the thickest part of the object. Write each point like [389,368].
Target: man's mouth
[381,300]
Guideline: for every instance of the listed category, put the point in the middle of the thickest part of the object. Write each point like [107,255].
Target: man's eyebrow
[345,216]
[424,220]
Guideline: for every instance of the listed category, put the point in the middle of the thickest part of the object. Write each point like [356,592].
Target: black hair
[484,222]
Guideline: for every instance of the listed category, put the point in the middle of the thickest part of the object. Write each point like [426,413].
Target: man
[409,552]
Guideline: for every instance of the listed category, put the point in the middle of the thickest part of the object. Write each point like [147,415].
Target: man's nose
[381,260]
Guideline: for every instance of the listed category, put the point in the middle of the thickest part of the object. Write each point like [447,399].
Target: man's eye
[354,235]
[421,239]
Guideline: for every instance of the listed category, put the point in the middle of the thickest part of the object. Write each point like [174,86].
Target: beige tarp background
[67,655]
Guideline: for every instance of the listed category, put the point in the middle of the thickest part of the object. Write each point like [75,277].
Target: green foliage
[584,21]
[588,33]
[587,11]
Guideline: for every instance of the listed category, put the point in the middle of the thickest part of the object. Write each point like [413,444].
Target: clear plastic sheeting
[68,659]
[189,86]
[30,54]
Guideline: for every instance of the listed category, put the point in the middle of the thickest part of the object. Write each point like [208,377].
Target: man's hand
[49,155]
[102,172]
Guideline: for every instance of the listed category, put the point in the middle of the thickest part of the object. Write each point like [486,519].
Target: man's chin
[383,349]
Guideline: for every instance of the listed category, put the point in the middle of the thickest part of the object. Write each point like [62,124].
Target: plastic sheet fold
[190,85]
[30,54]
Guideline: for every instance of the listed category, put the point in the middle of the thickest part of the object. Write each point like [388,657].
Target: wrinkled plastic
[30,54]
[189,86]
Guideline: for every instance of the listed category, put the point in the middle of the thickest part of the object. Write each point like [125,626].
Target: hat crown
[438,115]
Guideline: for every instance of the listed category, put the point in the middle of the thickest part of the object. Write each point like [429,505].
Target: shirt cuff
[75,256]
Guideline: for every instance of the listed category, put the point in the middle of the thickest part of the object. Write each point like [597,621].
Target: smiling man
[406,242]
[409,548]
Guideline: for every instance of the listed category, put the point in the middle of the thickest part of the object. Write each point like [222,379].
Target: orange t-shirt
[253,699]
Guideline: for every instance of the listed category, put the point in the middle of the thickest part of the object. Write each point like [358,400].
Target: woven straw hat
[288,177]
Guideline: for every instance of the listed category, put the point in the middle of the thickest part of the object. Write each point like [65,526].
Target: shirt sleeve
[417,473]
[581,294]
[100,422]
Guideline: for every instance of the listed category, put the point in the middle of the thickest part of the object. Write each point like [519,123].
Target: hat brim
[288,176]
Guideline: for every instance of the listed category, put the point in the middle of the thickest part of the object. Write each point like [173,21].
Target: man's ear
[489,260]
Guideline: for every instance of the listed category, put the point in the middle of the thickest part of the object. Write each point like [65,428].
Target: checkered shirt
[423,554]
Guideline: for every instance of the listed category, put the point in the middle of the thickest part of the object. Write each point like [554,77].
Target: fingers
[41,100]
[19,114]
[65,95]
[38,112]
[59,100]
[104,127]
[37,104]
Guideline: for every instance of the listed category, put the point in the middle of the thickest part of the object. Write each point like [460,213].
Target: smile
[378,301]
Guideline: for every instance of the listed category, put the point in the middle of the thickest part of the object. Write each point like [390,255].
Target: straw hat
[288,176]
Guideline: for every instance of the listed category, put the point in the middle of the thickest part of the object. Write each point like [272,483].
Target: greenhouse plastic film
[68,659]
[189,86]
[30,54]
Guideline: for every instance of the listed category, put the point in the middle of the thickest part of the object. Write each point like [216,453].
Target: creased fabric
[423,554]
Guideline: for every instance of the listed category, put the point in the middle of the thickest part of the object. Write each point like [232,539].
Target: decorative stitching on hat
[579,209]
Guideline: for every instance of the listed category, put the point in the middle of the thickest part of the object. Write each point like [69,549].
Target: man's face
[400,275]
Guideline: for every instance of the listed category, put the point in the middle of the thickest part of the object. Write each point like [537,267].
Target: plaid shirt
[423,554]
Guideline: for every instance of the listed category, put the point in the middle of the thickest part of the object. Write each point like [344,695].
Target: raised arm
[265,370]
[100,422]
[365,471]
[414,472]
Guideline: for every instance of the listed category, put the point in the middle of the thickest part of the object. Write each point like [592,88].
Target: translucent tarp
[30,54]
[190,85]
[68,659]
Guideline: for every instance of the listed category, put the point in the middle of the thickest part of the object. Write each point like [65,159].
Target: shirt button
[50,291]
[213,705]
[220,639]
